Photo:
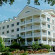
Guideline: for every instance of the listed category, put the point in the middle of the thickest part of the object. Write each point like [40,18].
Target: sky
[9,11]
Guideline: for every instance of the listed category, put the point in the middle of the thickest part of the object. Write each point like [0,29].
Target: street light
[19,42]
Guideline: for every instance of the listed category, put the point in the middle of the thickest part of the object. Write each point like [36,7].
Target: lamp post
[19,42]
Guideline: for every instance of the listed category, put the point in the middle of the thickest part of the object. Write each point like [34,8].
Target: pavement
[50,53]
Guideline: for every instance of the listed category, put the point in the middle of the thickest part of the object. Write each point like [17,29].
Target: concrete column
[47,40]
[10,41]
[25,41]
[41,28]
[52,40]
[32,39]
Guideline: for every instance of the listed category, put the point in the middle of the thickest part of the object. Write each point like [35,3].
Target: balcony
[29,28]
[50,43]
[28,21]
[7,43]
[44,27]
[36,27]
[44,42]
[36,20]
[36,34]
[53,43]
[29,43]
[23,36]
[44,34]
[22,29]
[43,19]
[22,23]
[28,35]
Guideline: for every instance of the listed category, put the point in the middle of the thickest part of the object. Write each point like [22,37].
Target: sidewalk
[50,53]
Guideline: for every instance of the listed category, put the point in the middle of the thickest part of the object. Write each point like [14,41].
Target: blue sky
[7,11]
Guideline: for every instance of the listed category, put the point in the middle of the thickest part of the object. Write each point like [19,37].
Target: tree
[2,45]
[6,1]
[36,2]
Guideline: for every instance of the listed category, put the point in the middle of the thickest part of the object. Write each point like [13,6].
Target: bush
[15,45]
[7,49]
[24,53]
[6,53]
[11,49]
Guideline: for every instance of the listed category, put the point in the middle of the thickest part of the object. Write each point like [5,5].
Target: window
[17,23]
[17,35]
[12,25]
[2,32]
[48,19]
[12,30]
[48,32]
[48,26]
[7,26]
[3,27]
[7,31]
[17,29]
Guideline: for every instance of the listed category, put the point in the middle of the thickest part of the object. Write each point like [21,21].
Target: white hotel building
[31,24]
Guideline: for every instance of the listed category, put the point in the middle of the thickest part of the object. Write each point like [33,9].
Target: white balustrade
[36,20]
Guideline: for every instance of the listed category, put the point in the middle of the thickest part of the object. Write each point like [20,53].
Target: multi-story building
[32,25]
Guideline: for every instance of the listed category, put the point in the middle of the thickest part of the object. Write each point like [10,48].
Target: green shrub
[14,45]
[7,49]
[11,49]
[6,53]
[24,53]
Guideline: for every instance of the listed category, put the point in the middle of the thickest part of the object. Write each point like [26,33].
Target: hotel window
[48,32]
[7,26]
[48,26]
[48,19]
[7,31]
[12,25]
[2,32]
[17,29]
[12,30]
[17,23]
[3,27]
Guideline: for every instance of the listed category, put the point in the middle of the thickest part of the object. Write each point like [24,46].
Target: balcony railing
[44,33]
[44,42]
[27,21]
[7,43]
[36,20]
[43,19]
[22,36]
[28,35]
[29,43]
[22,23]
[43,26]
[28,28]
[22,29]
[53,43]
[36,34]
[36,27]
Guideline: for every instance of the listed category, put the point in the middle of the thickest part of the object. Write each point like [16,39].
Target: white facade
[34,24]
